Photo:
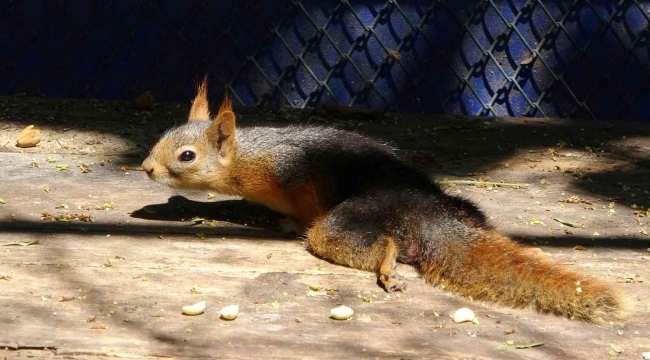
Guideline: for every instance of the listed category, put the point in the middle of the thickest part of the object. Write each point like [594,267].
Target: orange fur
[497,269]
[342,250]
[255,180]
[200,110]
[226,104]
[304,200]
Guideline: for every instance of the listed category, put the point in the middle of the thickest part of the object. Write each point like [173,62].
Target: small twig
[71,128]
[479,183]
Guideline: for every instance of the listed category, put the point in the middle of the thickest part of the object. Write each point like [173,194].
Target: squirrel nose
[147,166]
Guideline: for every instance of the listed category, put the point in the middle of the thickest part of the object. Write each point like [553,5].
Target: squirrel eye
[187,156]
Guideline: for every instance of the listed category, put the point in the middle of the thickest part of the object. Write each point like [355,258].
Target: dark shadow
[241,212]
[145,230]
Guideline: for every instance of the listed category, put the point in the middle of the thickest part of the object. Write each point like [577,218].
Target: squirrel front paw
[289,225]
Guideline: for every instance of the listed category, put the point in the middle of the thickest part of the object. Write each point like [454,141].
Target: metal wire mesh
[541,58]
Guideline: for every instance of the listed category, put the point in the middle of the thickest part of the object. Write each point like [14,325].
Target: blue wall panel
[542,58]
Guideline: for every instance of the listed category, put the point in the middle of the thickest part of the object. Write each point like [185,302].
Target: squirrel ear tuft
[222,130]
[226,104]
[200,110]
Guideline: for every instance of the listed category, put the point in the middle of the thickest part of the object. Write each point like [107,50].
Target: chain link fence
[542,58]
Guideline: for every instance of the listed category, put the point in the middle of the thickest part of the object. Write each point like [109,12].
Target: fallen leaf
[582,226]
[502,347]
[2,201]
[106,207]
[66,217]
[63,167]
[194,289]
[536,222]
[579,247]
[21,243]
[528,346]
[616,348]
[575,200]
[84,168]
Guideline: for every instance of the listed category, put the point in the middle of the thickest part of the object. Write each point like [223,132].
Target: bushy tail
[495,268]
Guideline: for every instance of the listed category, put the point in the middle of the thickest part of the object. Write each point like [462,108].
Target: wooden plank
[246,260]
[109,275]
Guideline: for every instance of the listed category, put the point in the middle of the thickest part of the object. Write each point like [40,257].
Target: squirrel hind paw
[391,284]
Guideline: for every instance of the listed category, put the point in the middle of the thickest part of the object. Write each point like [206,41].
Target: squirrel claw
[395,287]
[391,284]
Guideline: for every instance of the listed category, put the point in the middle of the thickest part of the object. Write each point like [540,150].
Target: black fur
[372,190]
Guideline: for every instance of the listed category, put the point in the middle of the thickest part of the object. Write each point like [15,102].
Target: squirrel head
[196,154]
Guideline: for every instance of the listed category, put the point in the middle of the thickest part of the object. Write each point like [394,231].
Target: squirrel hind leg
[387,274]
[355,249]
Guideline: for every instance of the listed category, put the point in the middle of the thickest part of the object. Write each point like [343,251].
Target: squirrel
[363,206]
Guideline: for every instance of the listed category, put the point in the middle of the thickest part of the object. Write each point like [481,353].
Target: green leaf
[502,347]
[2,201]
[568,223]
[63,167]
[197,220]
[22,243]
[528,346]
[536,222]
[616,348]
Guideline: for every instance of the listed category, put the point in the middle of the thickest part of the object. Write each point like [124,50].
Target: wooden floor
[114,287]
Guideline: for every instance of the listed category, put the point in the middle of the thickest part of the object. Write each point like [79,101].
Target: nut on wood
[29,137]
